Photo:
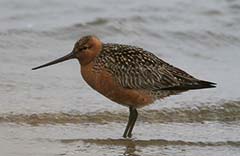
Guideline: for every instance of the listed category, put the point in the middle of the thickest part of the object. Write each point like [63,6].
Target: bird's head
[85,50]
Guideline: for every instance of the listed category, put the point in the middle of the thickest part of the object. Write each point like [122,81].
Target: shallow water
[53,112]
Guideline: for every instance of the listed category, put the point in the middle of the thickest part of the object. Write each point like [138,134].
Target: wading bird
[128,75]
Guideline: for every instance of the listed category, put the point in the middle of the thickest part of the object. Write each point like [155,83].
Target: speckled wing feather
[136,68]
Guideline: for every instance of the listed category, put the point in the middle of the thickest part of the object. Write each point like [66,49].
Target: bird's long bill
[64,58]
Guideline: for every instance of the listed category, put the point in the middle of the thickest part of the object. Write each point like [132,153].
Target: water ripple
[152,142]
[227,112]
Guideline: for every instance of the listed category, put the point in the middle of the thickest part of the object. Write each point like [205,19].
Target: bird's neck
[87,57]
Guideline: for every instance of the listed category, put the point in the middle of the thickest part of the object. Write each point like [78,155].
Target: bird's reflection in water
[129,144]
[130,149]
[133,147]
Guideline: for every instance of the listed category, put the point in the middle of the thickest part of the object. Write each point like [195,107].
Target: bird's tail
[203,84]
[200,84]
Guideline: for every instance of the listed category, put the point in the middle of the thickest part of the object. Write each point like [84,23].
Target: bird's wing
[158,77]
[136,68]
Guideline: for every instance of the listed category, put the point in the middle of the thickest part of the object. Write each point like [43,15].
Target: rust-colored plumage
[129,75]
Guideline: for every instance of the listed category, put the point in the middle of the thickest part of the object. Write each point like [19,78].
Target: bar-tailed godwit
[128,75]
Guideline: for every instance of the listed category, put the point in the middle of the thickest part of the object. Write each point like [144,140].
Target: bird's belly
[103,82]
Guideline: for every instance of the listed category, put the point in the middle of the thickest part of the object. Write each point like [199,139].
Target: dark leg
[131,121]
[135,115]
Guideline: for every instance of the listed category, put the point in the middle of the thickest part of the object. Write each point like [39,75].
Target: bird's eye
[84,48]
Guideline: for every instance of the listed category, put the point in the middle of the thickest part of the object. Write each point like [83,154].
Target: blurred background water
[54,112]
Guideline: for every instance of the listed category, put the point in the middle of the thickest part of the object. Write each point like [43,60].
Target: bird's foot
[127,135]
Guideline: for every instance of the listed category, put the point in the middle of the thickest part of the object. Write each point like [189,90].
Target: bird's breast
[105,83]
